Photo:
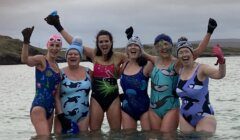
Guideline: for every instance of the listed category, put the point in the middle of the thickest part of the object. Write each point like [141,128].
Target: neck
[189,66]
[50,59]
[73,67]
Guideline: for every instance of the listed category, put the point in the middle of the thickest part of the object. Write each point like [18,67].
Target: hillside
[10,49]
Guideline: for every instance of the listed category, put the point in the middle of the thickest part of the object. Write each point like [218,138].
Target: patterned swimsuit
[195,98]
[46,85]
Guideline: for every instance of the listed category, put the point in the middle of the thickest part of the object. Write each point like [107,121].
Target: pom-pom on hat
[77,45]
[163,37]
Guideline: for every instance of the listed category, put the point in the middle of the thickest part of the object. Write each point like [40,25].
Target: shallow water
[17,91]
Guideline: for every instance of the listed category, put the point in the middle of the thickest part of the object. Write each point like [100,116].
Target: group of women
[67,89]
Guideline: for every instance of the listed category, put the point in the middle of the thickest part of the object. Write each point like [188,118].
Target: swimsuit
[104,85]
[163,84]
[46,85]
[195,99]
[135,98]
[75,97]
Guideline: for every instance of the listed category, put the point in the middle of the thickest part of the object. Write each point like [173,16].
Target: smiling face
[73,57]
[163,48]
[133,51]
[185,56]
[53,49]
[104,44]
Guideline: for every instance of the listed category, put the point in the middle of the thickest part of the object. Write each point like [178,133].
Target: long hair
[99,52]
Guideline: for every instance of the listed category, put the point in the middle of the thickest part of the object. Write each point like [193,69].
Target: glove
[66,123]
[27,32]
[217,51]
[53,19]
[129,32]
[212,24]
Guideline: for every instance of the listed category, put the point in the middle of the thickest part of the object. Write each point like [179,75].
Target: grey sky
[148,17]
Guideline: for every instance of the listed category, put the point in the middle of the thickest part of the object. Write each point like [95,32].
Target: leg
[185,126]
[96,115]
[83,125]
[128,122]
[207,124]
[39,121]
[170,121]
[114,115]
[145,122]
[50,123]
[57,126]
[155,120]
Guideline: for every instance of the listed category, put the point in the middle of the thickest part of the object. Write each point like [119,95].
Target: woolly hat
[184,44]
[135,40]
[77,45]
[163,37]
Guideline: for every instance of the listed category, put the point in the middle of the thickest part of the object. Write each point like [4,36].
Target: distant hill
[10,49]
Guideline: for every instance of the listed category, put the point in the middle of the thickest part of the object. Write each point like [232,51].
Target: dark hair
[98,52]
[141,60]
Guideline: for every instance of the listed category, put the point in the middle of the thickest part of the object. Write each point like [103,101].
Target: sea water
[17,89]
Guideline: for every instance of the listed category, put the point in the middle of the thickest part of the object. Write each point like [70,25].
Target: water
[17,91]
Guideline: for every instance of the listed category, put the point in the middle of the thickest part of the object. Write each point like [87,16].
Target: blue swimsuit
[135,99]
[195,99]
[75,97]
[46,85]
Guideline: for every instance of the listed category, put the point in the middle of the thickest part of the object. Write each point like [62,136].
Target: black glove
[212,24]
[66,123]
[129,32]
[27,32]
[54,20]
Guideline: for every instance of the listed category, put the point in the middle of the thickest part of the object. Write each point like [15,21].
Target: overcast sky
[149,18]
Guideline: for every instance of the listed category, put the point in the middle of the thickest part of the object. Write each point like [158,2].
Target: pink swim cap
[55,38]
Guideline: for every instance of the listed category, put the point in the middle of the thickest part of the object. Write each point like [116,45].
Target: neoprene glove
[66,123]
[129,32]
[27,32]
[53,19]
[212,24]
[217,51]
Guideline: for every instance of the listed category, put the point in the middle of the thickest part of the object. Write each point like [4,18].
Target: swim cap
[77,45]
[163,37]
[55,38]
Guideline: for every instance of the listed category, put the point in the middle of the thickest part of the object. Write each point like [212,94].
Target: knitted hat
[163,37]
[135,40]
[77,45]
[184,44]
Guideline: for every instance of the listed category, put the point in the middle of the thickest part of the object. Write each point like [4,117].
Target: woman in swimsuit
[196,112]
[47,81]
[105,94]
[74,93]
[134,82]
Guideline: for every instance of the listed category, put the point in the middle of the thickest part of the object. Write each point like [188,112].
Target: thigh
[57,126]
[39,120]
[96,115]
[155,120]
[170,121]
[185,126]
[114,114]
[145,122]
[83,125]
[128,122]
[207,124]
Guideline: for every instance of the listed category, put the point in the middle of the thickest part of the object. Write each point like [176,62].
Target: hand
[129,32]
[66,123]
[53,19]
[217,51]
[27,32]
[212,24]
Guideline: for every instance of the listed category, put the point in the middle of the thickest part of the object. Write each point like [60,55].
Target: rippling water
[17,91]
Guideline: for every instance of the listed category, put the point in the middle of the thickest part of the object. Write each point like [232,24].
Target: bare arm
[149,57]
[30,60]
[213,72]
[202,46]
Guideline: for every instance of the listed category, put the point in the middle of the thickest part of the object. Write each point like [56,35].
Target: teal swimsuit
[163,84]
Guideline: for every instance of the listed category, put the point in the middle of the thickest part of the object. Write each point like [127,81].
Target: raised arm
[25,58]
[212,24]
[53,19]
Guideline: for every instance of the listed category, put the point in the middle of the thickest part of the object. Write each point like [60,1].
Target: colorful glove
[217,51]
[66,123]
[212,24]
[53,19]
[129,32]
[27,32]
